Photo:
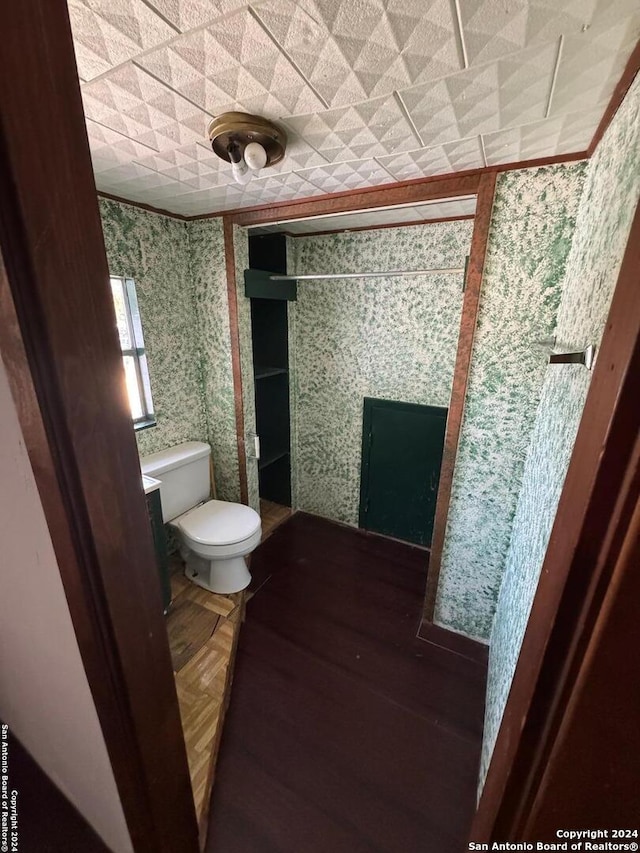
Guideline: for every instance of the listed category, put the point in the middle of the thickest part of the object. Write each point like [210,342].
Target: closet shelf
[270,458]
[261,372]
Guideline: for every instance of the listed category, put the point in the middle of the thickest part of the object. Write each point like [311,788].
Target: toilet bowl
[214,536]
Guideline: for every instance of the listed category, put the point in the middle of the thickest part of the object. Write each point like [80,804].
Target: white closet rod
[388,274]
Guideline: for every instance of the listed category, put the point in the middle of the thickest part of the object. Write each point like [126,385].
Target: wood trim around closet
[484,185]
[468,321]
[593,521]
[330,203]
[60,348]
[380,227]
[236,362]
[387,195]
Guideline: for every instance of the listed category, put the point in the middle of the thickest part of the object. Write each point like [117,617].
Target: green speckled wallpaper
[611,193]
[179,270]
[394,338]
[531,229]
[154,251]
[207,264]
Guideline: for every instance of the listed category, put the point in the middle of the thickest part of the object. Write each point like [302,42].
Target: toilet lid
[220,523]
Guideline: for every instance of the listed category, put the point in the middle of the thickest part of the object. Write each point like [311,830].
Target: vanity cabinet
[154,510]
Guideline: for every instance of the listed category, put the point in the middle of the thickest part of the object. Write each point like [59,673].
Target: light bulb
[255,156]
[240,172]
[238,166]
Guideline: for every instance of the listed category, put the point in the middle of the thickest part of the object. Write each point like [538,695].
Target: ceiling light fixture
[250,143]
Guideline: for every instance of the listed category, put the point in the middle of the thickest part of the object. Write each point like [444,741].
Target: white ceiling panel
[233,64]
[186,15]
[353,51]
[291,182]
[495,28]
[132,180]
[567,133]
[453,157]
[369,91]
[510,91]
[109,148]
[591,64]
[300,155]
[136,105]
[340,177]
[368,129]
[192,160]
[109,32]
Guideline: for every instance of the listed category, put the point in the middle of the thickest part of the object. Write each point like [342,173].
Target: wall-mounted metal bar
[585,357]
[388,274]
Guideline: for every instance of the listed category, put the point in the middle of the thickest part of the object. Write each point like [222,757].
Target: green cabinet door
[402,445]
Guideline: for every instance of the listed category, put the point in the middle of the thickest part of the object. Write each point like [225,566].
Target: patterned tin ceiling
[369,91]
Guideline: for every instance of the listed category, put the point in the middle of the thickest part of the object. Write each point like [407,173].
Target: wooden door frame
[594,516]
[480,184]
[468,323]
[63,360]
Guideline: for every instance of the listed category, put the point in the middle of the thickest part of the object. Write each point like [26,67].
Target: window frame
[137,352]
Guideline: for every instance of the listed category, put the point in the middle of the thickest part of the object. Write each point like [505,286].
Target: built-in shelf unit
[269,329]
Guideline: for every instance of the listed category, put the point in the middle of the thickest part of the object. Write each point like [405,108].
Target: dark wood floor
[345,733]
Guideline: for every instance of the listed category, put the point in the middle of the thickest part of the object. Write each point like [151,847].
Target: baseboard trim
[458,644]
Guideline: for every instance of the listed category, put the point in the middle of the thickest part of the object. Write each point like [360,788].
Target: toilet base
[222,576]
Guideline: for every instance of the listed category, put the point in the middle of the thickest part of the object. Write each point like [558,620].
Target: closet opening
[270,347]
[356,323]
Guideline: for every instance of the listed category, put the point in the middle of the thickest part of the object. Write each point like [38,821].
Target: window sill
[144,424]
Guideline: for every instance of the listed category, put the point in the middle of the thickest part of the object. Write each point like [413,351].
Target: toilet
[215,536]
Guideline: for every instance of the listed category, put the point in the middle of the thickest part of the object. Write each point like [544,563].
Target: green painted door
[402,447]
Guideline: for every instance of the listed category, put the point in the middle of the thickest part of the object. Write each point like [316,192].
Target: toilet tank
[183,472]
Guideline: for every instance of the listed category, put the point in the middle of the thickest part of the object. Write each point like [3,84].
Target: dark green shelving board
[270,338]
[266,372]
[258,285]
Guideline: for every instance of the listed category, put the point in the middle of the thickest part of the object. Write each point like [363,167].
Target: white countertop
[150,484]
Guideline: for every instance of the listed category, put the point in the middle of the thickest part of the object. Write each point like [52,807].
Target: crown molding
[148,207]
[330,202]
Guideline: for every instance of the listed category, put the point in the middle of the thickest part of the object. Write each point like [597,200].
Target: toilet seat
[219,523]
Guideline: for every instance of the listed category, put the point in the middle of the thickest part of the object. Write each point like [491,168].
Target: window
[135,361]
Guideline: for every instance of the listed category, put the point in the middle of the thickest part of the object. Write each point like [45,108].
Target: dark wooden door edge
[468,321]
[236,362]
[598,740]
[593,515]
[60,348]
